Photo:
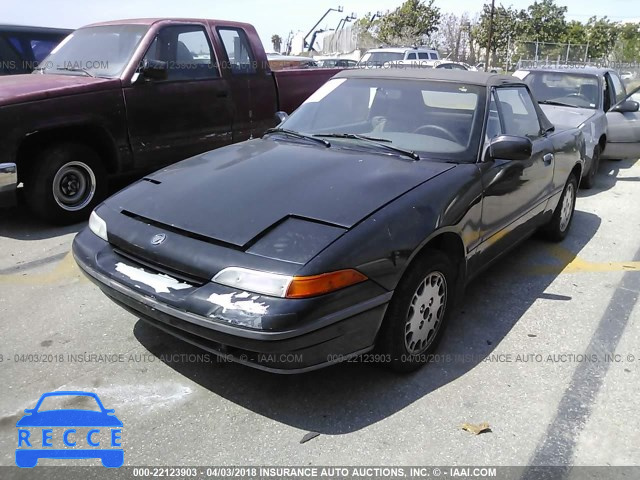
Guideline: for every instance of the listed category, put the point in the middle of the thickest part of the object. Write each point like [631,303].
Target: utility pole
[493,7]
[304,42]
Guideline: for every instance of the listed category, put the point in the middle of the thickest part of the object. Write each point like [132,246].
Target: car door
[515,191]
[623,124]
[251,82]
[186,113]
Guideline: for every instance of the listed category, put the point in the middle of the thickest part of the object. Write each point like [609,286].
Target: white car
[379,57]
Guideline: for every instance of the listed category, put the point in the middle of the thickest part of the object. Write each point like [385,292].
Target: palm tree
[276,40]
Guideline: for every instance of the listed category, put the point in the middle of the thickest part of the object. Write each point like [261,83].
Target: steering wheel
[437,129]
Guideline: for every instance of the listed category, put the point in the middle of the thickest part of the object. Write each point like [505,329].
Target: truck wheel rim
[567,207]
[425,313]
[74,186]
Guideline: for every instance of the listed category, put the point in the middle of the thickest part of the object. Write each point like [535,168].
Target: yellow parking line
[569,262]
[65,270]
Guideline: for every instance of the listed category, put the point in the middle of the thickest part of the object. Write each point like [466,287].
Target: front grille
[195,281]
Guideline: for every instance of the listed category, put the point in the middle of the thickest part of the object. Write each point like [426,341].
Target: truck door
[623,122]
[186,113]
[515,191]
[252,84]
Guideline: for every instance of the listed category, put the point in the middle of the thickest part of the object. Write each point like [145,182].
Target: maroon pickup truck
[131,97]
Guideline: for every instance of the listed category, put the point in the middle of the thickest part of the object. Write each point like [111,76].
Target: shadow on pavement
[347,397]
[608,176]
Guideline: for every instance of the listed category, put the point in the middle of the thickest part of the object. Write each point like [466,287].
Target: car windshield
[102,51]
[69,402]
[439,120]
[571,89]
[380,58]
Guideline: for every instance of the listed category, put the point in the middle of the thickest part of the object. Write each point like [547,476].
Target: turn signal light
[303,287]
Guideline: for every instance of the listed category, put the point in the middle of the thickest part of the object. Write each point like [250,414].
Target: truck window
[519,116]
[187,51]
[412,56]
[423,56]
[239,54]
[10,61]
[434,56]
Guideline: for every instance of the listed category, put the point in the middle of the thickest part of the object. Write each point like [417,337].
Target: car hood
[567,117]
[69,418]
[28,88]
[235,193]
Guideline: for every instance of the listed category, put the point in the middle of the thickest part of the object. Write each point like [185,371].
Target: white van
[378,57]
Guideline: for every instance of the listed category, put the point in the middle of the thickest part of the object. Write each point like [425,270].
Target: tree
[546,21]
[453,36]
[628,44]
[507,28]
[413,22]
[602,36]
[276,40]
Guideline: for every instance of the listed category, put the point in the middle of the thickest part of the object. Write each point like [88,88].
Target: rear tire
[558,227]
[418,312]
[66,183]
[589,180]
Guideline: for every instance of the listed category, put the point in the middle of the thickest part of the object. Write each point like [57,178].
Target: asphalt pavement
[545,347]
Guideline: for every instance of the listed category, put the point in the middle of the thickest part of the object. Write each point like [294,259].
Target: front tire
[589,180]
[558,228]
[418,312]
[66,183]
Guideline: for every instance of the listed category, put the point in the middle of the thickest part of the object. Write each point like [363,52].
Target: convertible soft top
[418,73]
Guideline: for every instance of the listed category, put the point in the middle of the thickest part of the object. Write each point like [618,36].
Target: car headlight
[98,226]
[287,286]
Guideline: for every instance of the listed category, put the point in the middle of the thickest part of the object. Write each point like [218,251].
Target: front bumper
[8,184]
[301,335]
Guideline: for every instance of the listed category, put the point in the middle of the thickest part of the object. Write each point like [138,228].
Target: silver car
[594,100]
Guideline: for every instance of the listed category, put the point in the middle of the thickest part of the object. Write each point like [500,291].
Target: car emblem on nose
[158,239]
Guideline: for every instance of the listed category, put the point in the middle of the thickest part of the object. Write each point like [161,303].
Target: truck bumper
[8,184]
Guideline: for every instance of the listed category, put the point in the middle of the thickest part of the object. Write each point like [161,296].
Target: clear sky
[269,17]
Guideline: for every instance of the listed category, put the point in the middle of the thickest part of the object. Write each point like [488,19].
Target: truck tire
[66,182]
[418,312]
[589,180]
[558,227]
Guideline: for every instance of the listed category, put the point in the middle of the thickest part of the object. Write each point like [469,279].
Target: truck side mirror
[154,69]
[627,106]
[509,147]
[281,117]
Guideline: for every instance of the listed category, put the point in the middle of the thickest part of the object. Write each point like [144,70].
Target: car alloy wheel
[74,186]
[567,207]
[425,313]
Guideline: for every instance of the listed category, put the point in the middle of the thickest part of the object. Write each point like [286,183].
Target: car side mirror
[509,147]
[29,410]
[154,69]
[627,106]
[109,411]
[281,116]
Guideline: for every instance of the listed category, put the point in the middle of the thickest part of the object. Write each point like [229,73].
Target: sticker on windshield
[325,90]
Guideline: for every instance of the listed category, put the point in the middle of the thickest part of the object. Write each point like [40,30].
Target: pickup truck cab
[133,96]
[595,101]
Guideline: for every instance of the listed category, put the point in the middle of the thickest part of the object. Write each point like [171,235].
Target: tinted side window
[423,56]
[10,61]
[187,51]
[519,116]
[434,56]
[412,56]
[239,53]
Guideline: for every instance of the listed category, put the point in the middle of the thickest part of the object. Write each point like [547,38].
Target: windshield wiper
[558,104]
[72,69]
[380,142]
[293,133]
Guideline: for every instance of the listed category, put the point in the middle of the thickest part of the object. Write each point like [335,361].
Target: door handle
[548,158]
